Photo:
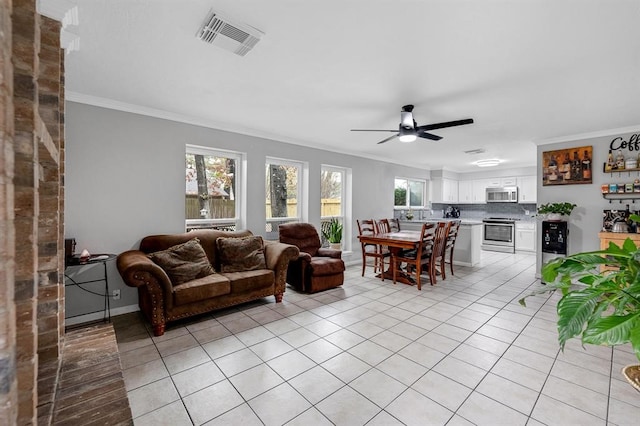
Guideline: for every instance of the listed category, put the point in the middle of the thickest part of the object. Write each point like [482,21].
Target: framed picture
[567,166]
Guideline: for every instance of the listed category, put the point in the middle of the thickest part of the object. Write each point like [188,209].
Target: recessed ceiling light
[487,163]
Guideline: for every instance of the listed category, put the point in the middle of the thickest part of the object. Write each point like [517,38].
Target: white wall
[125,180]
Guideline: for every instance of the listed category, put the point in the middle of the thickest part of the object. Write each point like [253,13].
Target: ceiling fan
[408,130]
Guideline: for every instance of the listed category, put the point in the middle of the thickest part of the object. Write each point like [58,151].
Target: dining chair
[394,224]
[382,226]
[439,243]
[374,251]
[420,258]
[449,246]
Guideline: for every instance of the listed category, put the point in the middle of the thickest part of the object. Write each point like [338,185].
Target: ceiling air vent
[236,38]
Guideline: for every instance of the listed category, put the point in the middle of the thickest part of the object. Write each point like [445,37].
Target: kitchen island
[468,242]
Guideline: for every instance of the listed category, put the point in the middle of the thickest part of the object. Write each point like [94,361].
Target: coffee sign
[633,144]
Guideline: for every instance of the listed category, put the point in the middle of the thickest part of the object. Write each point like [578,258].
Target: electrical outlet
[526,212]
[116,294]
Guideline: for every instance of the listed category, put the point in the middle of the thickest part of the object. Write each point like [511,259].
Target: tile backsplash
[475,211]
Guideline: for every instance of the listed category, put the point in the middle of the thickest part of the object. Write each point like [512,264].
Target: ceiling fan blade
[423,134]
[446,124]
[372,130]
[387,139]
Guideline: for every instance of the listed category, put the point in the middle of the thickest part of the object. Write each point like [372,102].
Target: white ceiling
[527,72]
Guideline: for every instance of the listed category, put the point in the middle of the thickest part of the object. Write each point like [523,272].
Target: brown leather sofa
[163,299]
[316,268]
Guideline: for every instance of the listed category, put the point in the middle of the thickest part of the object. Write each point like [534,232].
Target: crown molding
[171,116]
[589,135]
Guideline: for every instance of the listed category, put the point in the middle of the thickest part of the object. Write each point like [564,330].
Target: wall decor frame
[567,166]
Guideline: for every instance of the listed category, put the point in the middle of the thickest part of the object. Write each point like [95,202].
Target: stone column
[26,46]
[8,381]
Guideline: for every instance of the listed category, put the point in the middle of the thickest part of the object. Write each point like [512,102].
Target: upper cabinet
[527,189]
[473,191]
[480,191]
[444,190]
[501,182]
[465,192]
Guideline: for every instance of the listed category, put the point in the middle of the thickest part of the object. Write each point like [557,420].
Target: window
[409,193]
[283,193]
[332,196]
[212,182]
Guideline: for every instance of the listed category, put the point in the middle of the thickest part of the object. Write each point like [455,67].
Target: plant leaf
[629,245]
[634,337]
[574,310]
[612,330]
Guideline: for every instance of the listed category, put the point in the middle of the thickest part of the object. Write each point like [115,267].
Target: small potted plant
[333,234]
[599,306]
[555,211]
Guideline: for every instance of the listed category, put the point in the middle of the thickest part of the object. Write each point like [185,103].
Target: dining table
[396,242]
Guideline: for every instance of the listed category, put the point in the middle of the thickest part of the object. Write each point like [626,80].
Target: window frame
[300,194]
[408,182]
[237,221]
[342,216]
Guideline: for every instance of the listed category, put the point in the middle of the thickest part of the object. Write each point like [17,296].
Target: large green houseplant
[333,233]
[601,307]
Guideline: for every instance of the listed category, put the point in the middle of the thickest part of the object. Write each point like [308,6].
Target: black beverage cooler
[555,238]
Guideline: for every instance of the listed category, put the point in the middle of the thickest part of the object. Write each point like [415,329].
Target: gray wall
[586,220]
[125,180]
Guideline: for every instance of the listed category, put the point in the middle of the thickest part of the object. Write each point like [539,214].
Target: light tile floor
[462,352]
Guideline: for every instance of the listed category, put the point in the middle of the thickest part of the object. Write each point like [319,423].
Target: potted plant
[333,234]
[600,305]
[554,211]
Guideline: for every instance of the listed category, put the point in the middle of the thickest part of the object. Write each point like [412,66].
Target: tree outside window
[409,193]
[210,191]
[282,193]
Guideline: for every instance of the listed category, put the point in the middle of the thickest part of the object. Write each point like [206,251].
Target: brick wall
[8,381]
[31,218]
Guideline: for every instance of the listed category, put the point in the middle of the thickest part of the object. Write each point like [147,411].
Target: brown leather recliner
[316,268]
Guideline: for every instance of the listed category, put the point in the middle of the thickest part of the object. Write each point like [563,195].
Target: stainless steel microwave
[507,194]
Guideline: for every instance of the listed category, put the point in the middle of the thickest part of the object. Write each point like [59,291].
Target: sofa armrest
[328,252]
[138,270]
[277,256]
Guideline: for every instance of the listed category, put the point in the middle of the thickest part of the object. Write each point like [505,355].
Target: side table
[95,259]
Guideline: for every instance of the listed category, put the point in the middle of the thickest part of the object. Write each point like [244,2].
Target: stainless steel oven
[498,234]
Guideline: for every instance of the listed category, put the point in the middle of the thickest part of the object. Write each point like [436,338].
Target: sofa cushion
[241,254]
[183,262]
[247,281]
[202,288]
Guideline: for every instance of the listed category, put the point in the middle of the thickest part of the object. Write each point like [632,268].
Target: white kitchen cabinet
[526,236]
[444,190]
[509,181]
[465,192]
[499,182]
[479,195]
[527,189]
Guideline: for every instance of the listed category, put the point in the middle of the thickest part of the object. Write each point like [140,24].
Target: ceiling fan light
[407,138]
[492,162]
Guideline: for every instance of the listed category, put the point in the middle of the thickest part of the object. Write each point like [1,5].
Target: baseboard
[98,316]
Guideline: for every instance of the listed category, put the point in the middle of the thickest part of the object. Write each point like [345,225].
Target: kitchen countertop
[469,222]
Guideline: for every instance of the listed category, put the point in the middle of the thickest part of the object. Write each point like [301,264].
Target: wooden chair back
[382,226]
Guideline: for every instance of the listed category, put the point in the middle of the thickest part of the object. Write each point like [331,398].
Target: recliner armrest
[329,252]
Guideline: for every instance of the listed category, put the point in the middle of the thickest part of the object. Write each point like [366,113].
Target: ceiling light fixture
[488,163]
[407,138]
[407,134]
